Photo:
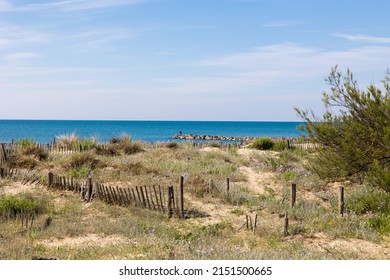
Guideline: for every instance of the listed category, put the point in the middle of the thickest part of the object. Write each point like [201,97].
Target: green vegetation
[23,203]
[66,227]
[262,144]
[354,132]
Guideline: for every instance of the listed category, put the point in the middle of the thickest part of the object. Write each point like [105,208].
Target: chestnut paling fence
[169,200]
[6,149]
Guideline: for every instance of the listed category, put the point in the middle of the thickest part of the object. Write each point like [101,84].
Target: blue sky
[183,59]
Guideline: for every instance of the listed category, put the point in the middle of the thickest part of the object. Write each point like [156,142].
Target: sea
[44,131]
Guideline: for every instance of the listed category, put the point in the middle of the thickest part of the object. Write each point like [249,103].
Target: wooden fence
[168,200]
[6,149]
[23,176]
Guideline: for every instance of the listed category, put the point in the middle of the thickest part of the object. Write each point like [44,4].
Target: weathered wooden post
[341,201]
[285,232]
[181,197]
[210,187]
[293,195]
[255,224]
[170,202]
[50,179]
[89,189]
[227,187]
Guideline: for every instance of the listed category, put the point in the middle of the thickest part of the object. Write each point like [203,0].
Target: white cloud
[5,5]
[77,5]
[21,56]
[363,38]
[11,35]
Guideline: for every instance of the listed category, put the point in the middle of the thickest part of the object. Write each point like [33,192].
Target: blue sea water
[43,131]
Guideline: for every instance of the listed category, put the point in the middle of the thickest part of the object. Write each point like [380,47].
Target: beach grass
[66,227]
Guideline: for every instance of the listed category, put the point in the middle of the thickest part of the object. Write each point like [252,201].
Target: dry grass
[96,230]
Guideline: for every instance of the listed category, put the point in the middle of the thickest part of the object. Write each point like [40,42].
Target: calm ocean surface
[43,131]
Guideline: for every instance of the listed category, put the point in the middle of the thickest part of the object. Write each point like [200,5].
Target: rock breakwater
[212,137]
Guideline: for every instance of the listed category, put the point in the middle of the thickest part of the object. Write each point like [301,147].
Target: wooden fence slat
[161,199]
[143,197]
[156,197]
[135,198]
[181,197]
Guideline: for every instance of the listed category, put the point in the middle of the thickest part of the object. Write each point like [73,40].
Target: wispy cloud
[280,23]
[77,5]
[5,5]
[363,38]
[21,56]
[12,35]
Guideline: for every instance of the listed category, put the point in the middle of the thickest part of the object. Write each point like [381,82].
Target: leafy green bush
[26,142]
[262,144]
[23,203]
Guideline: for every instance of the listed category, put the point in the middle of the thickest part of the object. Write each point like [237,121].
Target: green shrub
[262,144]
[26,142]
[85,144]
[78,160]
[23,203]
[365,200]
[280,146]
[80,172]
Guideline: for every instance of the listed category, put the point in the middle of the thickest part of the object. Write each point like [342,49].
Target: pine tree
[354,131]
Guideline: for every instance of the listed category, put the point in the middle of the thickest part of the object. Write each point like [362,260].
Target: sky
[239,60]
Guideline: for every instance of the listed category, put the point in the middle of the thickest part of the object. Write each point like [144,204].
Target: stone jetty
[212,137]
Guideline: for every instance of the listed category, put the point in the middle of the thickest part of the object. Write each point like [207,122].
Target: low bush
[172,145]
[79,160]
[280,146]
[23,203]
[262,144]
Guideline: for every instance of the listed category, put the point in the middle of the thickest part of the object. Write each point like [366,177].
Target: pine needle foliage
[354,131]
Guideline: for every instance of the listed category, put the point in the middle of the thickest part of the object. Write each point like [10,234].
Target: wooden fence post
[341,201]
[293,195]
[50,179]
[170,200]
[227,187]
[255,224]
[210,187]
[181,197]
[285,232]
[89,189]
